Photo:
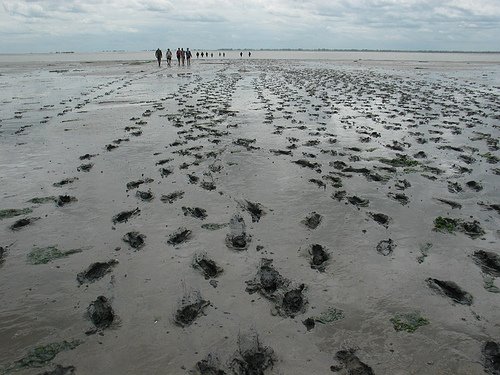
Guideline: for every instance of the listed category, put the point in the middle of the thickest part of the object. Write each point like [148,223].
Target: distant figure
[212,54]
[183,56]
[202,54]
[206,54]
[198,54]
[158,55]
[223,54]
[169,57]
[249,53]
[178,54]
[188,56]
[219,54]
[241,54]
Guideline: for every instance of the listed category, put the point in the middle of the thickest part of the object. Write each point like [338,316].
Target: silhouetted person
[198,54]
[249,53]
[168,54]
[212,54]
[241,54]
[178,55]
[183,56]
[202,54]
[188,56]
[158,55]
[223,54]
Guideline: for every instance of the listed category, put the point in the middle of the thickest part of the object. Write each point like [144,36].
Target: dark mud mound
[313,220]
[491,353]
[267,281]
[386,247]
[293,302]
[450,225]
[358,202]
[96,271]
[256,210]
[400,197]
[179,236]
[85,167]
[191,307]
[63,200]
[238,239]
[146,196]
[124,216]
[489,262]
[208,185]
[319,257]
[309,323]
[64,182]
[172,197]
[474,185]
[21,223]
[134,239]
[135,184]
[452,204]
[209,366]
[60,370]
[471,228]
[165,172]
[451,290]
[307,164]
[87,156]
[206,266]
[490,207]
[196,212]
[252,357]
[351,363]
[101,313]
[380,218]
[3,252]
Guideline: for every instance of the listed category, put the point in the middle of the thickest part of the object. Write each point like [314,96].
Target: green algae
[39,356]
[400,161]
[408,322]
[490,158]
[330,315]
[48,254]
[42,200]
[13,212]
[445,224]
[214,226]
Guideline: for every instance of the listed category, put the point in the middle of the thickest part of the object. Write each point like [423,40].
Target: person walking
[249,53]
[183,56]
[178,54]
[168,54]
[188,56]
[241,54]
[158,55]
[197,54]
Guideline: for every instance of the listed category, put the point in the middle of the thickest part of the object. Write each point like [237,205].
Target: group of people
[184,57]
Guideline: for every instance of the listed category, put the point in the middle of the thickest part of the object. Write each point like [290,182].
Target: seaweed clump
[48,254]
[408,322]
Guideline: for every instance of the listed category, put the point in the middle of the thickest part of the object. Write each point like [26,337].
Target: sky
[136,25]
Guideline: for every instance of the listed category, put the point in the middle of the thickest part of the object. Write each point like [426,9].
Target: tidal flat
[250,217]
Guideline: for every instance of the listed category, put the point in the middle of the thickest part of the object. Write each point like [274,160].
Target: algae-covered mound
[470,228]
[42,200]
[45,255]
[41,355]
[408,322]
[445,224]
[330,315]
[13,212]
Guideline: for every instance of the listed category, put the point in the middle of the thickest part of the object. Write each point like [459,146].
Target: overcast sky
[134,25]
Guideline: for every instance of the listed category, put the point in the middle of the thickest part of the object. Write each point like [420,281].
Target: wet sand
[251,217]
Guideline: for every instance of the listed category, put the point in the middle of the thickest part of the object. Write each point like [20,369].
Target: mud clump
[452,204]
[358,202]
[380,218]
[64,182]
[60,370]
[208,185]
[165,172]
[206,266]
[352,363]
[313,220]
[307,164]
[135,184]
[172,197]
[267,281]
[146,196]
[256,210]
[21,223]
[63,200]
[400,197]
[101,313]
[386,247]
[237,239]
[309,323]
[134,239]
[451,290]
[191,307]
[214,226]
[196,212]
[252,358]
[124,216]
[319,257]
[85,167]
[474,185]
[293,302]
[96,271]
[209,366]
[179,236]
[488,261]
[491,354]
[42,200]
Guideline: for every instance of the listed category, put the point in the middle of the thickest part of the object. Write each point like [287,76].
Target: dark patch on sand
[206,266]
[101,313]
[179,236]
[358,202]
[252,358]
[452,204]
[146,196]
[319,257]
[209,366]
[380,218]
[63,200]
[351,363]
[64,182]
[135,184]
[85,167]
[124,216]
[400,197]
[237,239]
[386,247]
[255,209]
[191,307]
[491,354]
[60,370]
[96,271]
[451,290]
[13,212]
[488,261]
[134,239]
[45,255]
[196,212]
[172,197]
[21,223]
[313,220]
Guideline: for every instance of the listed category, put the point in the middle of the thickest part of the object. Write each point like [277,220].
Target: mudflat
[250,217]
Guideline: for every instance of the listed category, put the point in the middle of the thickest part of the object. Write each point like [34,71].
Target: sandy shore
[251,217]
